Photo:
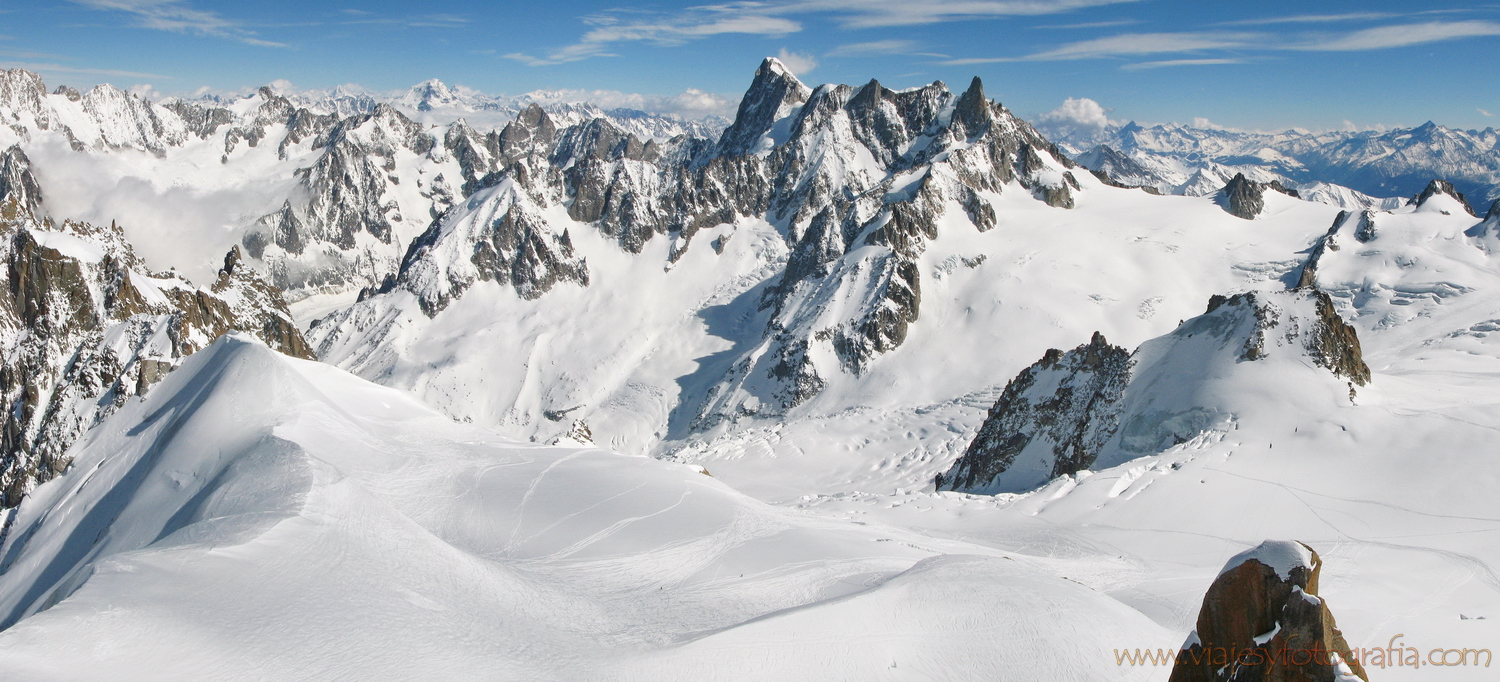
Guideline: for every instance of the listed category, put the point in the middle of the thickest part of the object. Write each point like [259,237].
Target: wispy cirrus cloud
[613,28]
[873,47]
[886,13]
[1128,44]
[1141,66]
[45,68]
[1093,24]
[1386,37]
[363,18]
[1238,43]
[775,18]
[1313,19]
[177,16]
[882,47]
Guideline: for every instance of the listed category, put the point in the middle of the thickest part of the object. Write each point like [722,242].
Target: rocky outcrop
[1263,621]
[1064,408]
[18,187]
[1245,198]
[1096,403]
[1442,188]
[1242,198]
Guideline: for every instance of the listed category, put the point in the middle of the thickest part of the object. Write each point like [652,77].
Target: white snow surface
[1279,555]
[262,517]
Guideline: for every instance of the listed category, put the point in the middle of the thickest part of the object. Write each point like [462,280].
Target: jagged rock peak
[1245,198]
[772,95]
[1051,420]
[20,194]
[1437,187]
[21,90]
[1242,197]
[1262,619]
[972,109]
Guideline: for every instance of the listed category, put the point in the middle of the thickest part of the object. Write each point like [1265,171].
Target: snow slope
[258,516]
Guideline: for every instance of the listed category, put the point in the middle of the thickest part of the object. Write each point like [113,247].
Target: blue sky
[1262,65]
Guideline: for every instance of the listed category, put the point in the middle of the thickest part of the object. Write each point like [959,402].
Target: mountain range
[1375,165]
[686,400]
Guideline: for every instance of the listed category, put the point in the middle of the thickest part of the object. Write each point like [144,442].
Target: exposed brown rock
[1262,621]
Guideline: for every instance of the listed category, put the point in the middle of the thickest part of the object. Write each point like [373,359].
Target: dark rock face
[1068,401]
[1262,621]
[1245,198]
[771,93]
[1437,187]
[1242,198]
[18,187]
[1335,345]
[201,121]
[1366,231]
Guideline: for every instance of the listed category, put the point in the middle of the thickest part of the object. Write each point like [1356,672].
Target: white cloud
[1128,44]
[1178,62]
[1386,37]
[771,19]
[1136,44]
[798,63]
[144,91]
[1080,114]
[884,13]
[874,47]
[177,17]
[1486,113]
[45,69]
[1312,19]
[611,28]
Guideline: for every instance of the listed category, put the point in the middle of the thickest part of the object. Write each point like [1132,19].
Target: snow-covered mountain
[310,184]
[1179,159]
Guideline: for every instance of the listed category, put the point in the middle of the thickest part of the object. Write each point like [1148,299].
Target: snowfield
[261,517]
